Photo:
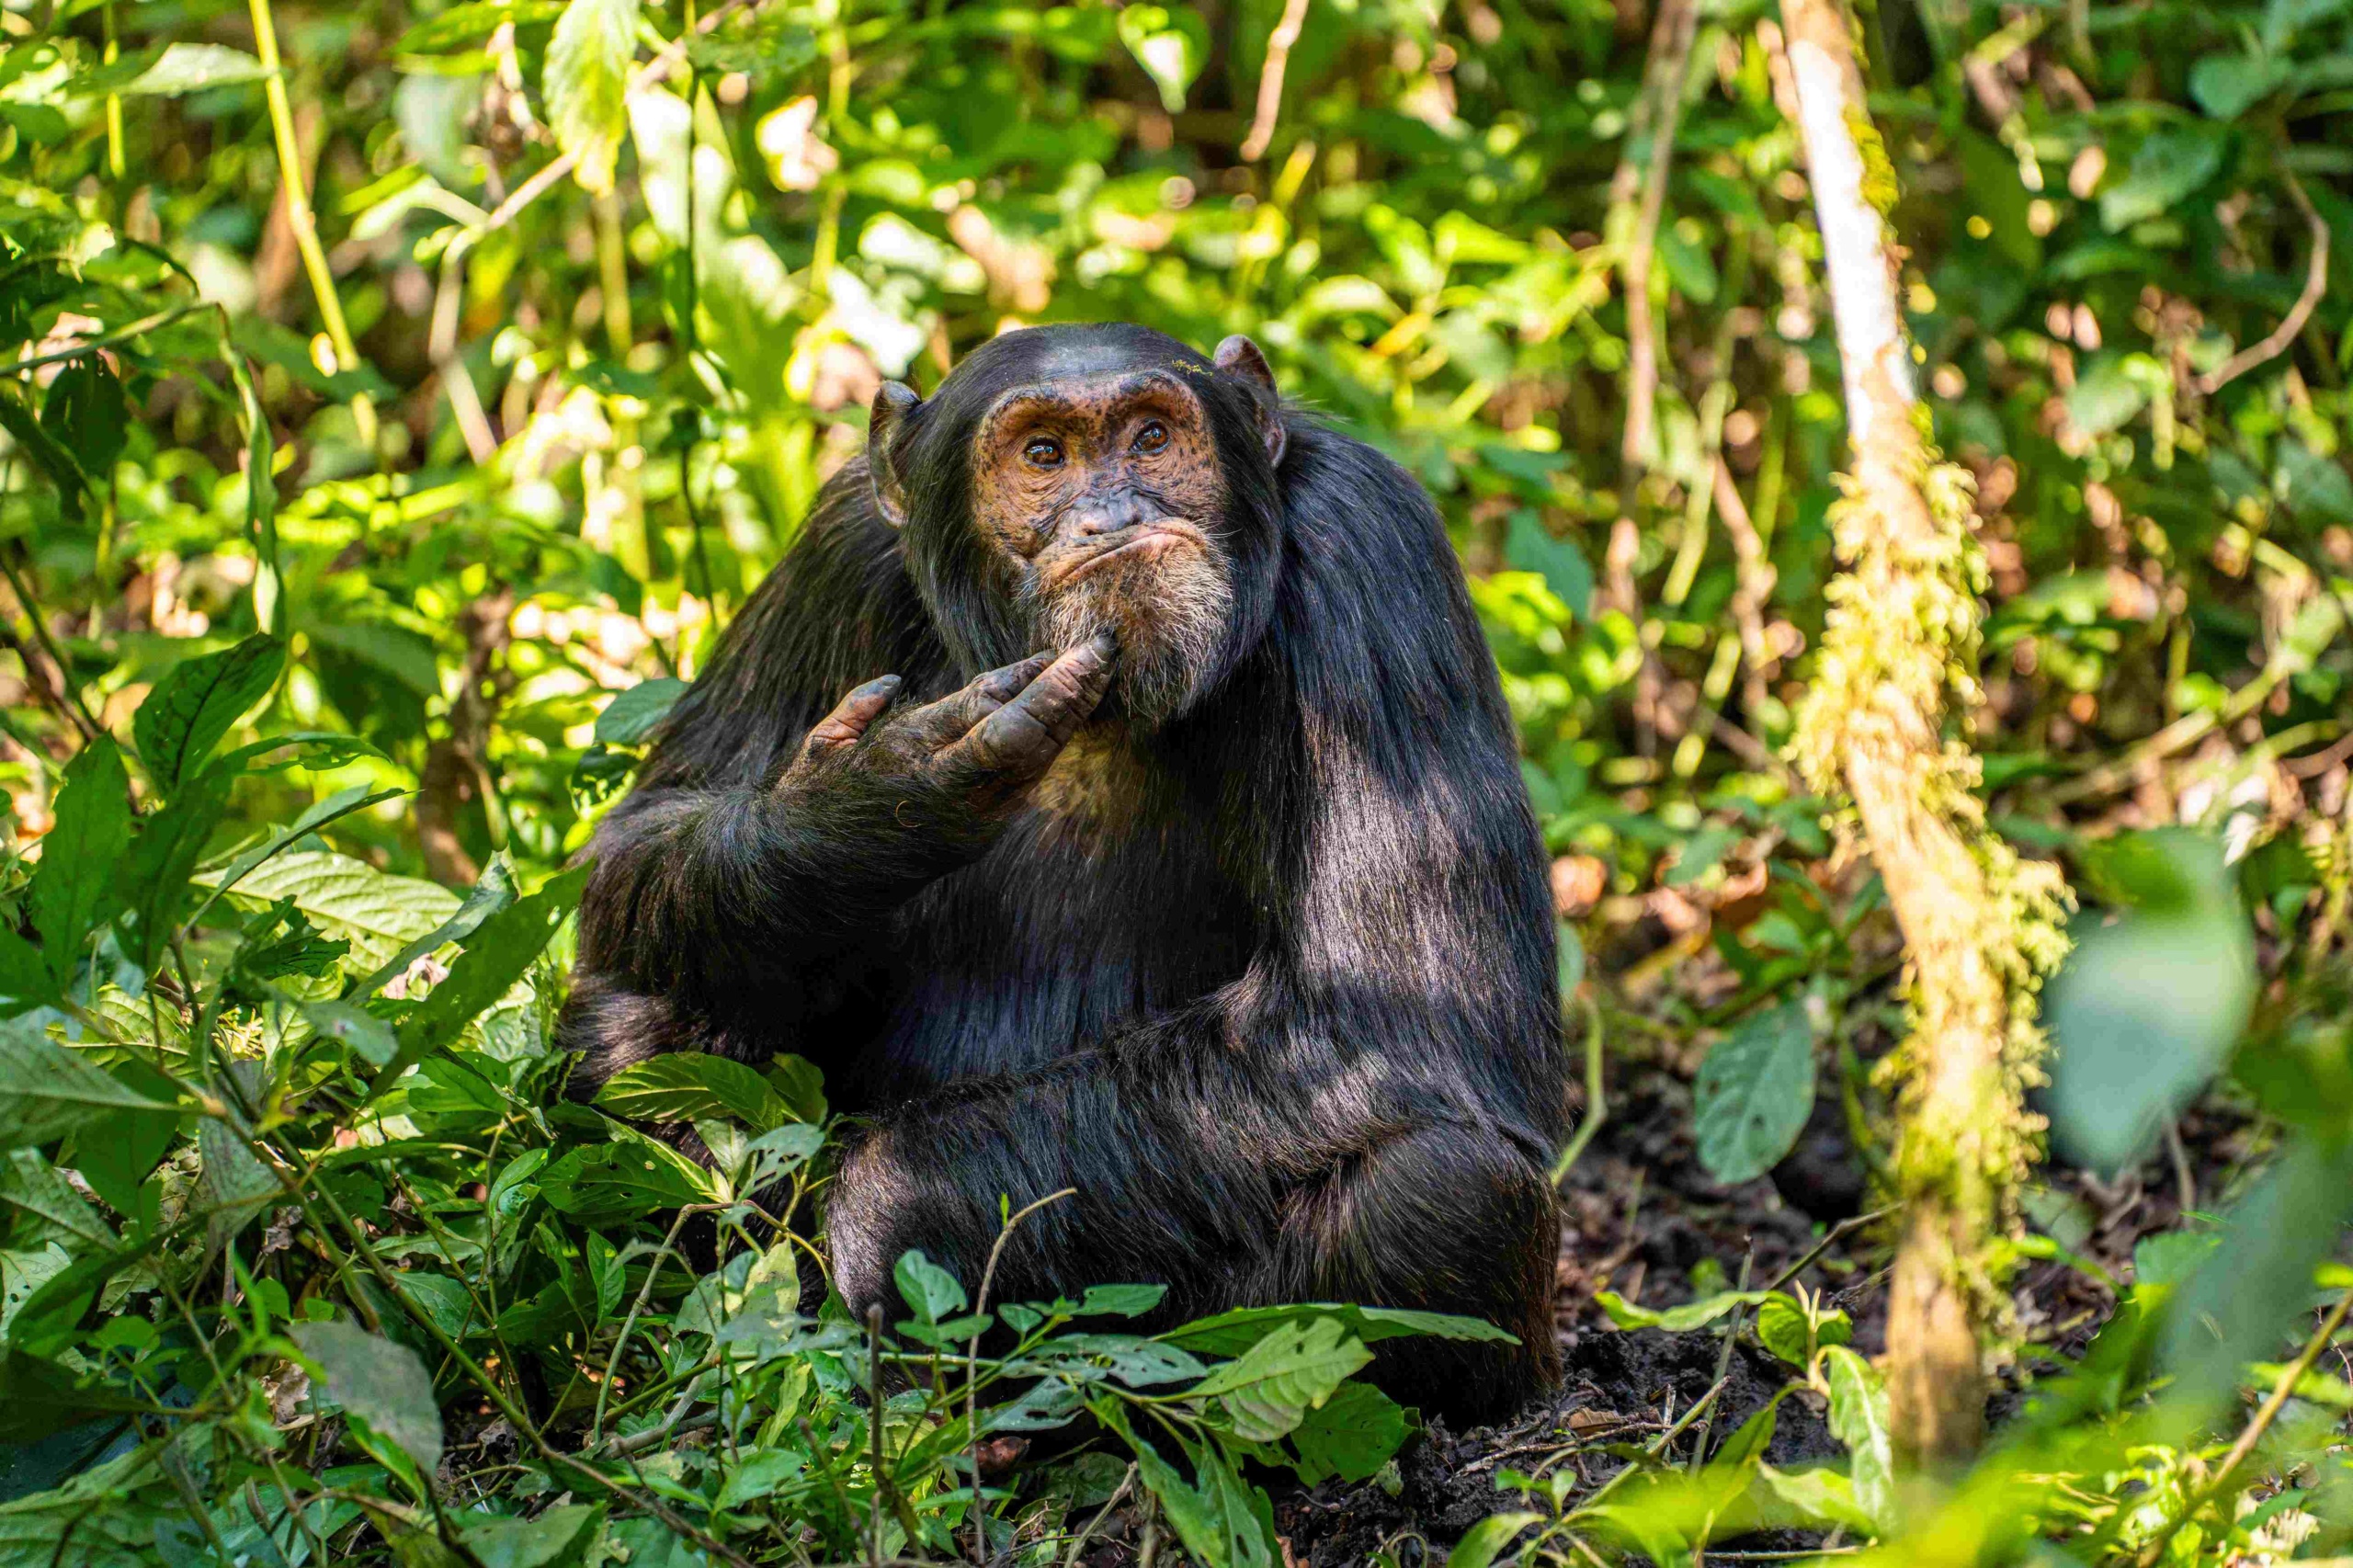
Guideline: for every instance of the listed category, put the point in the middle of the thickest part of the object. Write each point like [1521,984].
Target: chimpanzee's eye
[1043,451]
[1152,437]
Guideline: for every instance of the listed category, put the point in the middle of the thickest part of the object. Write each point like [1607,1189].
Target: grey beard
[1171,620]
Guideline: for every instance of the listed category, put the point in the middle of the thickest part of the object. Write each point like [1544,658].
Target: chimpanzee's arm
[1369,1113]
[710,887]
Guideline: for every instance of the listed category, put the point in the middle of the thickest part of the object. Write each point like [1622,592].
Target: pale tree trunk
[1895,675]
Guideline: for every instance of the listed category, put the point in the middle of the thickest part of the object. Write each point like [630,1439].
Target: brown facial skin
[1104,494]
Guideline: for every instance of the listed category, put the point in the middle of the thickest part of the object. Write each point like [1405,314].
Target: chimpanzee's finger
[1030,731]
[947,720]
[850,717]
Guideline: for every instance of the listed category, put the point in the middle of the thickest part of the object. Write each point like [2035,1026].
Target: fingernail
[1104,643]
[885,684]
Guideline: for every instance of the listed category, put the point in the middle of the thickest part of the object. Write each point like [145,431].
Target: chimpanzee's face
[1070,480]
[1104,496]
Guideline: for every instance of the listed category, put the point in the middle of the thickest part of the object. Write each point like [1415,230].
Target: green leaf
[1755,1092]
[317,815]
[382,1383]
[1859,1419]
[687,1086]
[1170,45]
[630,717]
[1271,1387]
[374,911]
[1485,1541]
[1675,1320]
[356,1026]
[1782,1328]
[930,1290]
[586,82]
[2168,167]
[1350,1436]
[605,1183]
[29,1184]
[2105,397]
[492,892]
[1233,1333]
[74,889]
[1221,1521]
[1528,547]
[2227,85]
[498,955]
[154,877]
[85,412]
[47,1091]
[177,69]
[801,1084]
[1120,1301]
[2147,1009]
[37,444]
[193,705]
[560,1537]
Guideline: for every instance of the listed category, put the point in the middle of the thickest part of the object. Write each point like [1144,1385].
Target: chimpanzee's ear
[1240,358]
[885,422]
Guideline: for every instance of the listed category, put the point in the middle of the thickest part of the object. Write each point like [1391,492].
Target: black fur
[1279,1001]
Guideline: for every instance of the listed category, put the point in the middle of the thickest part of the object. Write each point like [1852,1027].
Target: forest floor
[1641,1218]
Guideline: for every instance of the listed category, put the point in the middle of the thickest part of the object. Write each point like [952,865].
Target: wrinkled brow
[1090,399]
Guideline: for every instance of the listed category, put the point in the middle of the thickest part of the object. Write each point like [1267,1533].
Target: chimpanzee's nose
[1099,515]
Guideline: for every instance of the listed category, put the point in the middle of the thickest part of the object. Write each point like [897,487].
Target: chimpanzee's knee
[1443,1217]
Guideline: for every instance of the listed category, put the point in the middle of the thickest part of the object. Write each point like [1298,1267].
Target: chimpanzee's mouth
[1148,542]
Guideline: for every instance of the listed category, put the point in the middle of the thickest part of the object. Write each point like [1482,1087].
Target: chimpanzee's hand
[930,787]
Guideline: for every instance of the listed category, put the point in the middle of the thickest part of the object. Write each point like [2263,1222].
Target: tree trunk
[1897,664]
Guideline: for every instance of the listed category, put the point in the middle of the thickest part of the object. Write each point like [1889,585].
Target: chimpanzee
[1168,845]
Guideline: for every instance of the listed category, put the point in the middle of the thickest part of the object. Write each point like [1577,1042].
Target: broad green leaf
[492,892]
[2281,18]
[42,450]
[197,701]
[1350,1435]
[317,815]
[85,412]
[382,1383]
[604,1183]
[1270,1387]
[1755,1092]
[374,911]
[1675,1320]
[2227,85]
[1859,1419]
[800,1083]
[1171,46]
[47,1091]
[177,68]
[356,1026]
[2105,397]
[1821,1497]
[29,1184]
[2168,167]
[497,956]
[1120,1301]
[24,980]
[559,1538]
[632,715]
[586,82]
[1782,1328]
[1221,1521]
[930,1290]
[1485,1541]
[154,885]
[1231,1334]
[1528,547]
[74,889]
[2147,1008]
[685,1087]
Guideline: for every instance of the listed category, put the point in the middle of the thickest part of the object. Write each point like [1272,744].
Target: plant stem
[299,218]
